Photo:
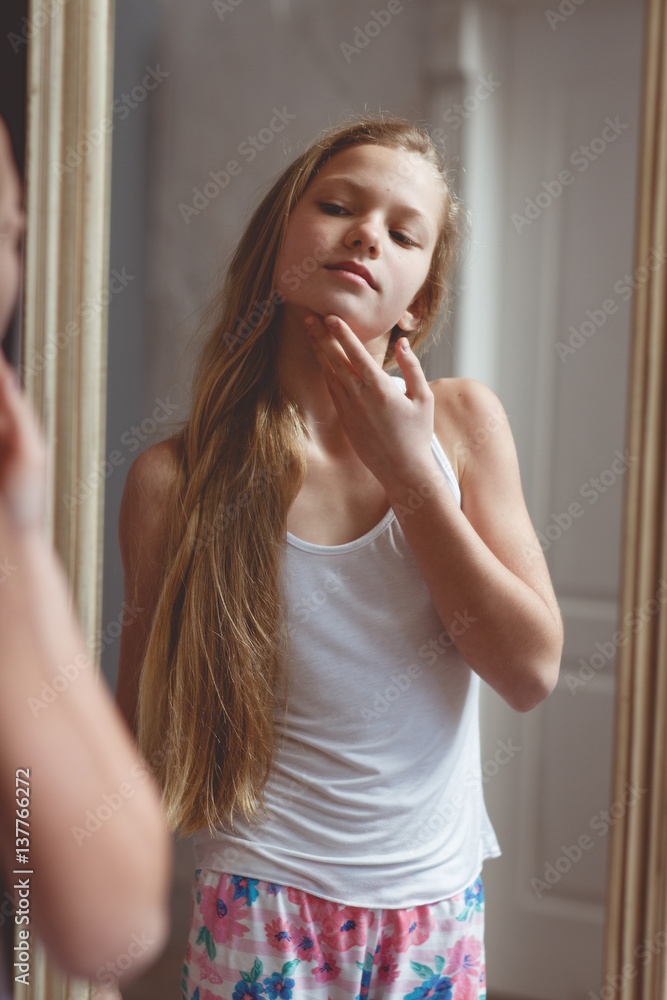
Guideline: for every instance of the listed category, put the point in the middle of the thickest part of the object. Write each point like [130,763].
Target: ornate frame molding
[68,191]
[637,896]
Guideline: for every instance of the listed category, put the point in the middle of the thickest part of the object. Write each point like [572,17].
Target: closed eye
[337,209]
[405,239]
[327,205]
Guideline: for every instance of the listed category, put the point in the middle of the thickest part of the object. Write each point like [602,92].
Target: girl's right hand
[23,456]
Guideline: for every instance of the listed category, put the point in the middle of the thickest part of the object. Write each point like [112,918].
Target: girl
[324,591]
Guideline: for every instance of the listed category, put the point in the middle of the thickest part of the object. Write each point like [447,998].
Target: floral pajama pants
[250,939]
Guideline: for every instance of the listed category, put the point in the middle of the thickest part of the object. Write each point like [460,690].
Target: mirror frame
[70,67]
[636,915]
[67,198]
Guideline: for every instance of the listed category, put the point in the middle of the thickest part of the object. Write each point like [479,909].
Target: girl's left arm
[482,563]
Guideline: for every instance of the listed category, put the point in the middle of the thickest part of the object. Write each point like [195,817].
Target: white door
[563,375]
[549,169]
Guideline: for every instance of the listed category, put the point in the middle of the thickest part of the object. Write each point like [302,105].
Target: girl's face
[12,223]
[378,207]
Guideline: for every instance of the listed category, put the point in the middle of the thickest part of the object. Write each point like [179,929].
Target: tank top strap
[439,454]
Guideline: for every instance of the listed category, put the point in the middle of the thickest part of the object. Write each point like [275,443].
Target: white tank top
[375,798]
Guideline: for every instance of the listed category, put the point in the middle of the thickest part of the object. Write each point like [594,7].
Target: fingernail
[331,321]
[310,321]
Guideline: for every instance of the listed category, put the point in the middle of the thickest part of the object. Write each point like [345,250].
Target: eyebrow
[408,210]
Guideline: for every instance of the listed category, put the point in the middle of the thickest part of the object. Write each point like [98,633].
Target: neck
[303,380]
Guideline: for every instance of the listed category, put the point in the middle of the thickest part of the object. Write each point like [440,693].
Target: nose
[366,235]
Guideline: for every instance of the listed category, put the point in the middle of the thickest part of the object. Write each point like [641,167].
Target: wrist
[18,538]
[419,479]
[23,510]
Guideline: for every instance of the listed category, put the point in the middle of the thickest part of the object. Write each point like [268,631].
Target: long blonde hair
[213,677]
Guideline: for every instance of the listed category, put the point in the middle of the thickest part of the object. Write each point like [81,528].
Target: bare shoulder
[467,414]
[474,425]
[142,527]
[150,480]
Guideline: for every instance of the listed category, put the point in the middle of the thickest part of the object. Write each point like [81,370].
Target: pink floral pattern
[279,935]
[412,927]
[207,995]
[222,914]
[315,910]
[346,927]
[327,970]
[463,964]
[206,971]
[251,939]
[464,957]
[388,969]
[307,946]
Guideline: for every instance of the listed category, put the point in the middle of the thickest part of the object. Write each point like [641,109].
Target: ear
[412,316]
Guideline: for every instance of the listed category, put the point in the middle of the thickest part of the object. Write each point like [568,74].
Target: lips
[355,267]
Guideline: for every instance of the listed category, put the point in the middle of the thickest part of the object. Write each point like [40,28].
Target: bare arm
[93,887]
[483,563]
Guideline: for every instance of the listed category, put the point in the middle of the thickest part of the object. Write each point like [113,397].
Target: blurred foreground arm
[98,846]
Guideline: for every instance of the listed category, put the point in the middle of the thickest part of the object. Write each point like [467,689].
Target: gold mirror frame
[70,61]
[636,918]
[67,196]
